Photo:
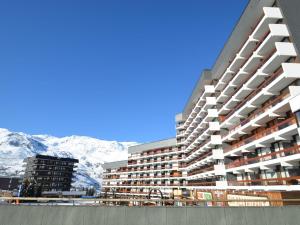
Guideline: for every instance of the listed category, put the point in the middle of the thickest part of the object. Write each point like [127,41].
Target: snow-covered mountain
[91,153]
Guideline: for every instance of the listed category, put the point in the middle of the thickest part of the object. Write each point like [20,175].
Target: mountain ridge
[91,153]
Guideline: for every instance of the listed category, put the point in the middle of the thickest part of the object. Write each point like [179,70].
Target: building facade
[240,128]
[9,183]
[50,173]
[152,166]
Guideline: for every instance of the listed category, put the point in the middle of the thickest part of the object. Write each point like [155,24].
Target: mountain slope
[91,152]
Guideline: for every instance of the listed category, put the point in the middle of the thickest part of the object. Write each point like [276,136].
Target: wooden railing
[204,183]
[205,155]
[199,122]
[155,176]
[197,148]
[257,112]
[202,131]
[201,170]
[271,181]
[141,170]
[285,152]
[147,185]
[254,93]
[263,133]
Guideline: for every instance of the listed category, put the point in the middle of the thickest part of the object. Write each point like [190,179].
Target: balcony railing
[257,112]
[204,183]
[141,170]
[147,185]
[197,148]
[203,156]
[282,153]
[258,89]
[202,170]
[256,47]
[279,126]
[156,176]
[294,180]
[191,140]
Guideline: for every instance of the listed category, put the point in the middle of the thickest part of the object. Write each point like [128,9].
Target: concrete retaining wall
[72,215]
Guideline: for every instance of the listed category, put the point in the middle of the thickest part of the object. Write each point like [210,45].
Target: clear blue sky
[115,69]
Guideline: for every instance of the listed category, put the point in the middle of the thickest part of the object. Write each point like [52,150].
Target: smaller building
[50,173]
[9,183]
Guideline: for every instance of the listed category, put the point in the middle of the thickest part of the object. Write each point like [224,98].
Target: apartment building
[49,172]
[239,130]
[152,166]
[9,183]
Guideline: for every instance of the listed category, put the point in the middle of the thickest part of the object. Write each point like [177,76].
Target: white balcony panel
[214,126]
[230,88]
[210,101]
[212,113]
[277,33]
[217,154]
[220,85]
[209,89]
[225,78]
[248,47]
[216,140]
[220,170]
[295,103]
[271,15]
[284,50]
[236,63]
[291,72]
[252,63]
[255,80]
[222,97]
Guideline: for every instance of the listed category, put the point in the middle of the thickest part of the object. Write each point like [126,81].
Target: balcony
[208,89]
[267,66]
[279,131]
[261,115]
[158,153]
[201,170]
[140,185]
[260,31]
[204,146]
[271,15]
[210,102]
[202,133]
[198,159]
[200,183]
[294,180]
[274,155]
[281,78]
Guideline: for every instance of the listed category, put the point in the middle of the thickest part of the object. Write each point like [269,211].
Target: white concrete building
[240,128]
